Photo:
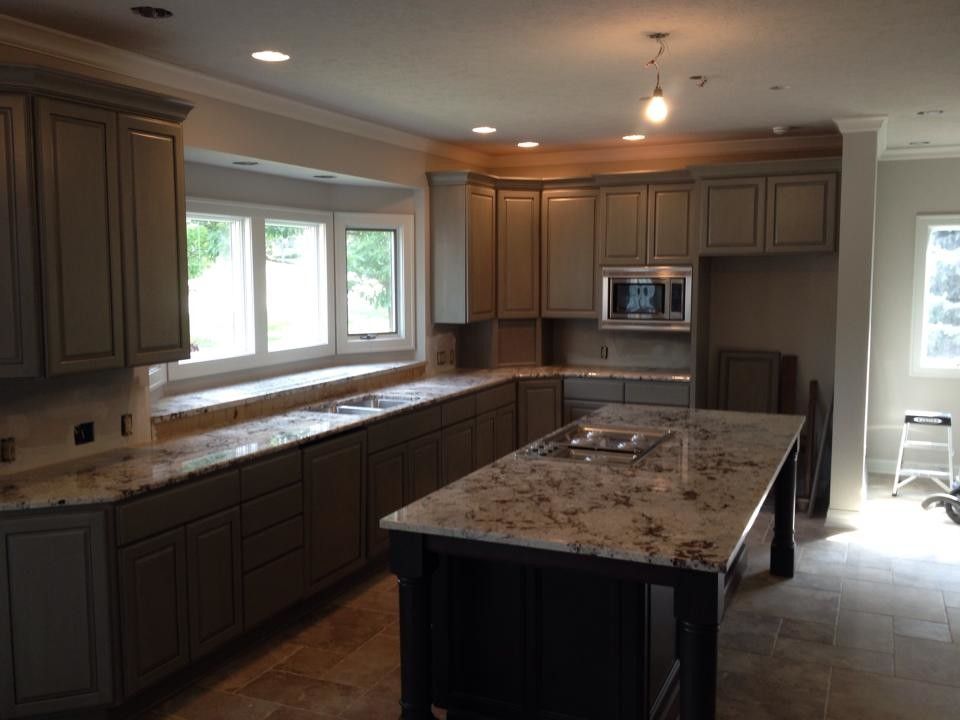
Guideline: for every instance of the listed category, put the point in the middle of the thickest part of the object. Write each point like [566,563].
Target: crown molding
[869,123]
[825,143]
[72,48]
[926,152]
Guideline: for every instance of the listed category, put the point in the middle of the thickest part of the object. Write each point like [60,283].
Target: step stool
[912,419]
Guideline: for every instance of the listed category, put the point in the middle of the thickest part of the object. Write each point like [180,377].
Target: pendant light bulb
[657,108]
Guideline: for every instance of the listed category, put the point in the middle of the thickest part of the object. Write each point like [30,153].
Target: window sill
[276,393]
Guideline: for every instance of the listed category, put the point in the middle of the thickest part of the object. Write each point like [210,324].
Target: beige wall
[905,188]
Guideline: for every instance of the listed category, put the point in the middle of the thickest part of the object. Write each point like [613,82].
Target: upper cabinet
[518,254]
[775,214]
[623,222]
[670,223]
[19,309]
[463,243]
[569,255]
[99,280]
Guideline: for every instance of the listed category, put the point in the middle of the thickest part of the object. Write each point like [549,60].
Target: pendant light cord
[655,60]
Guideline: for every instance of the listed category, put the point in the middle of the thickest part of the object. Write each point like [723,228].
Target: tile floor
[868,629]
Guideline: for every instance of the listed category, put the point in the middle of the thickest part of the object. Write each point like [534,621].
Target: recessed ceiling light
[634,137]
[930,112]
[779,87]
[484,129]
[151,13]
[919,142]
[245,163]
[270,56]
[528,144]
[324,177]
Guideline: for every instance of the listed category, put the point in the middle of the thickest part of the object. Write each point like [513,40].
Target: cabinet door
[423,467]
[55,620]
[79,236]
[334,474]
[19,304]
[569,258]
[154,241]
[458,450]
[733,216]
[518,254]
[670,223]
[576,409]
[623,237]
[385,482]
[538,408]
[153,609]
[481,254]
[801,213]
[486,438]
[214,581]
[505,440]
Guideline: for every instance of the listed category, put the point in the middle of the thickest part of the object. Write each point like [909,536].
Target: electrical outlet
[441,357]
[8,449]
[604,352]
[453,357]
[126,425]
[83,433]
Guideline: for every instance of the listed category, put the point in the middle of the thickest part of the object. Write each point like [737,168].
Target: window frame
[405,336]
[256,217]
[917,367]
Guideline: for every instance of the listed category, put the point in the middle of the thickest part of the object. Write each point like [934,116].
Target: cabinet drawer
[272,543]
[494,398]
[403,428]
[658,392]
[270,509]
[272,588]
[270,474]
[593,389]
[163,510]
[458,410]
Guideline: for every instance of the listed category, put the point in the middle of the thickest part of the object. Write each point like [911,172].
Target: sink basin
[370,404]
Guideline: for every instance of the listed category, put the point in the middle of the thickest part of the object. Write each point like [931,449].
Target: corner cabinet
[569,253]
[99,279]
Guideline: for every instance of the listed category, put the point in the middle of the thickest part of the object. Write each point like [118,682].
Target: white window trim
[260,357]
[917,369]
[405,337]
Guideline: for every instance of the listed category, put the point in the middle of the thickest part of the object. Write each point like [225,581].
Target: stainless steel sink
[370,404]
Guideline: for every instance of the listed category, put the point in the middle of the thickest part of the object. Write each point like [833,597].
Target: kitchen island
[535,587]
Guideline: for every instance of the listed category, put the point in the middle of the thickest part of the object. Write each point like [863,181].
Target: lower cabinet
[496,434]
[56,633]
[459,450]
[333,484]
[576,409]
[423,466]
[539,404]
[154,621]
[386,477]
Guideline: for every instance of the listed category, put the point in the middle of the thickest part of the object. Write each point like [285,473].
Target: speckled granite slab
[687,504]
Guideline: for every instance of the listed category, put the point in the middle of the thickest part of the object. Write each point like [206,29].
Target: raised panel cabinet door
[55,619]
[670,223]
[486,438]
[154,624]
[19,303]
[623,235]
[423,466]
[153,210]
[386,473]
[801,213]
[505,431]
[79,213]
[481,253]
[539,405]
[459,450]
[733,216]
[518,254]
[334,486]
[569,255]
[214,581]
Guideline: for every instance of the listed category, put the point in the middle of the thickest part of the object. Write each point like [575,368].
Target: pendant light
[657,108]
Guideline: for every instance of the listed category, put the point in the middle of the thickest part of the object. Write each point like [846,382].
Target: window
[935,341]
[261,290]
[375,281]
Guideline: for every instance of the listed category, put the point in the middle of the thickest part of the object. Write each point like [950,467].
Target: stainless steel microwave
[646,298]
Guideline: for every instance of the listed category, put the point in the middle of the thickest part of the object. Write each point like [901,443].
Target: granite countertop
[687,504]
[119,474]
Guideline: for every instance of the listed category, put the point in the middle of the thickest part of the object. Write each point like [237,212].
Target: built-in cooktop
[596,443]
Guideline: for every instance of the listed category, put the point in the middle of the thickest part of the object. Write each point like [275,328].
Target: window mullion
[259,269]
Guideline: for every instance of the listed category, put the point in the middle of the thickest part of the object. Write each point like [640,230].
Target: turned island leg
[698,607]
[783,547]
[413,567]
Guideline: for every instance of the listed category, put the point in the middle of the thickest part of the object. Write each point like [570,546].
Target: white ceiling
[568,73]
